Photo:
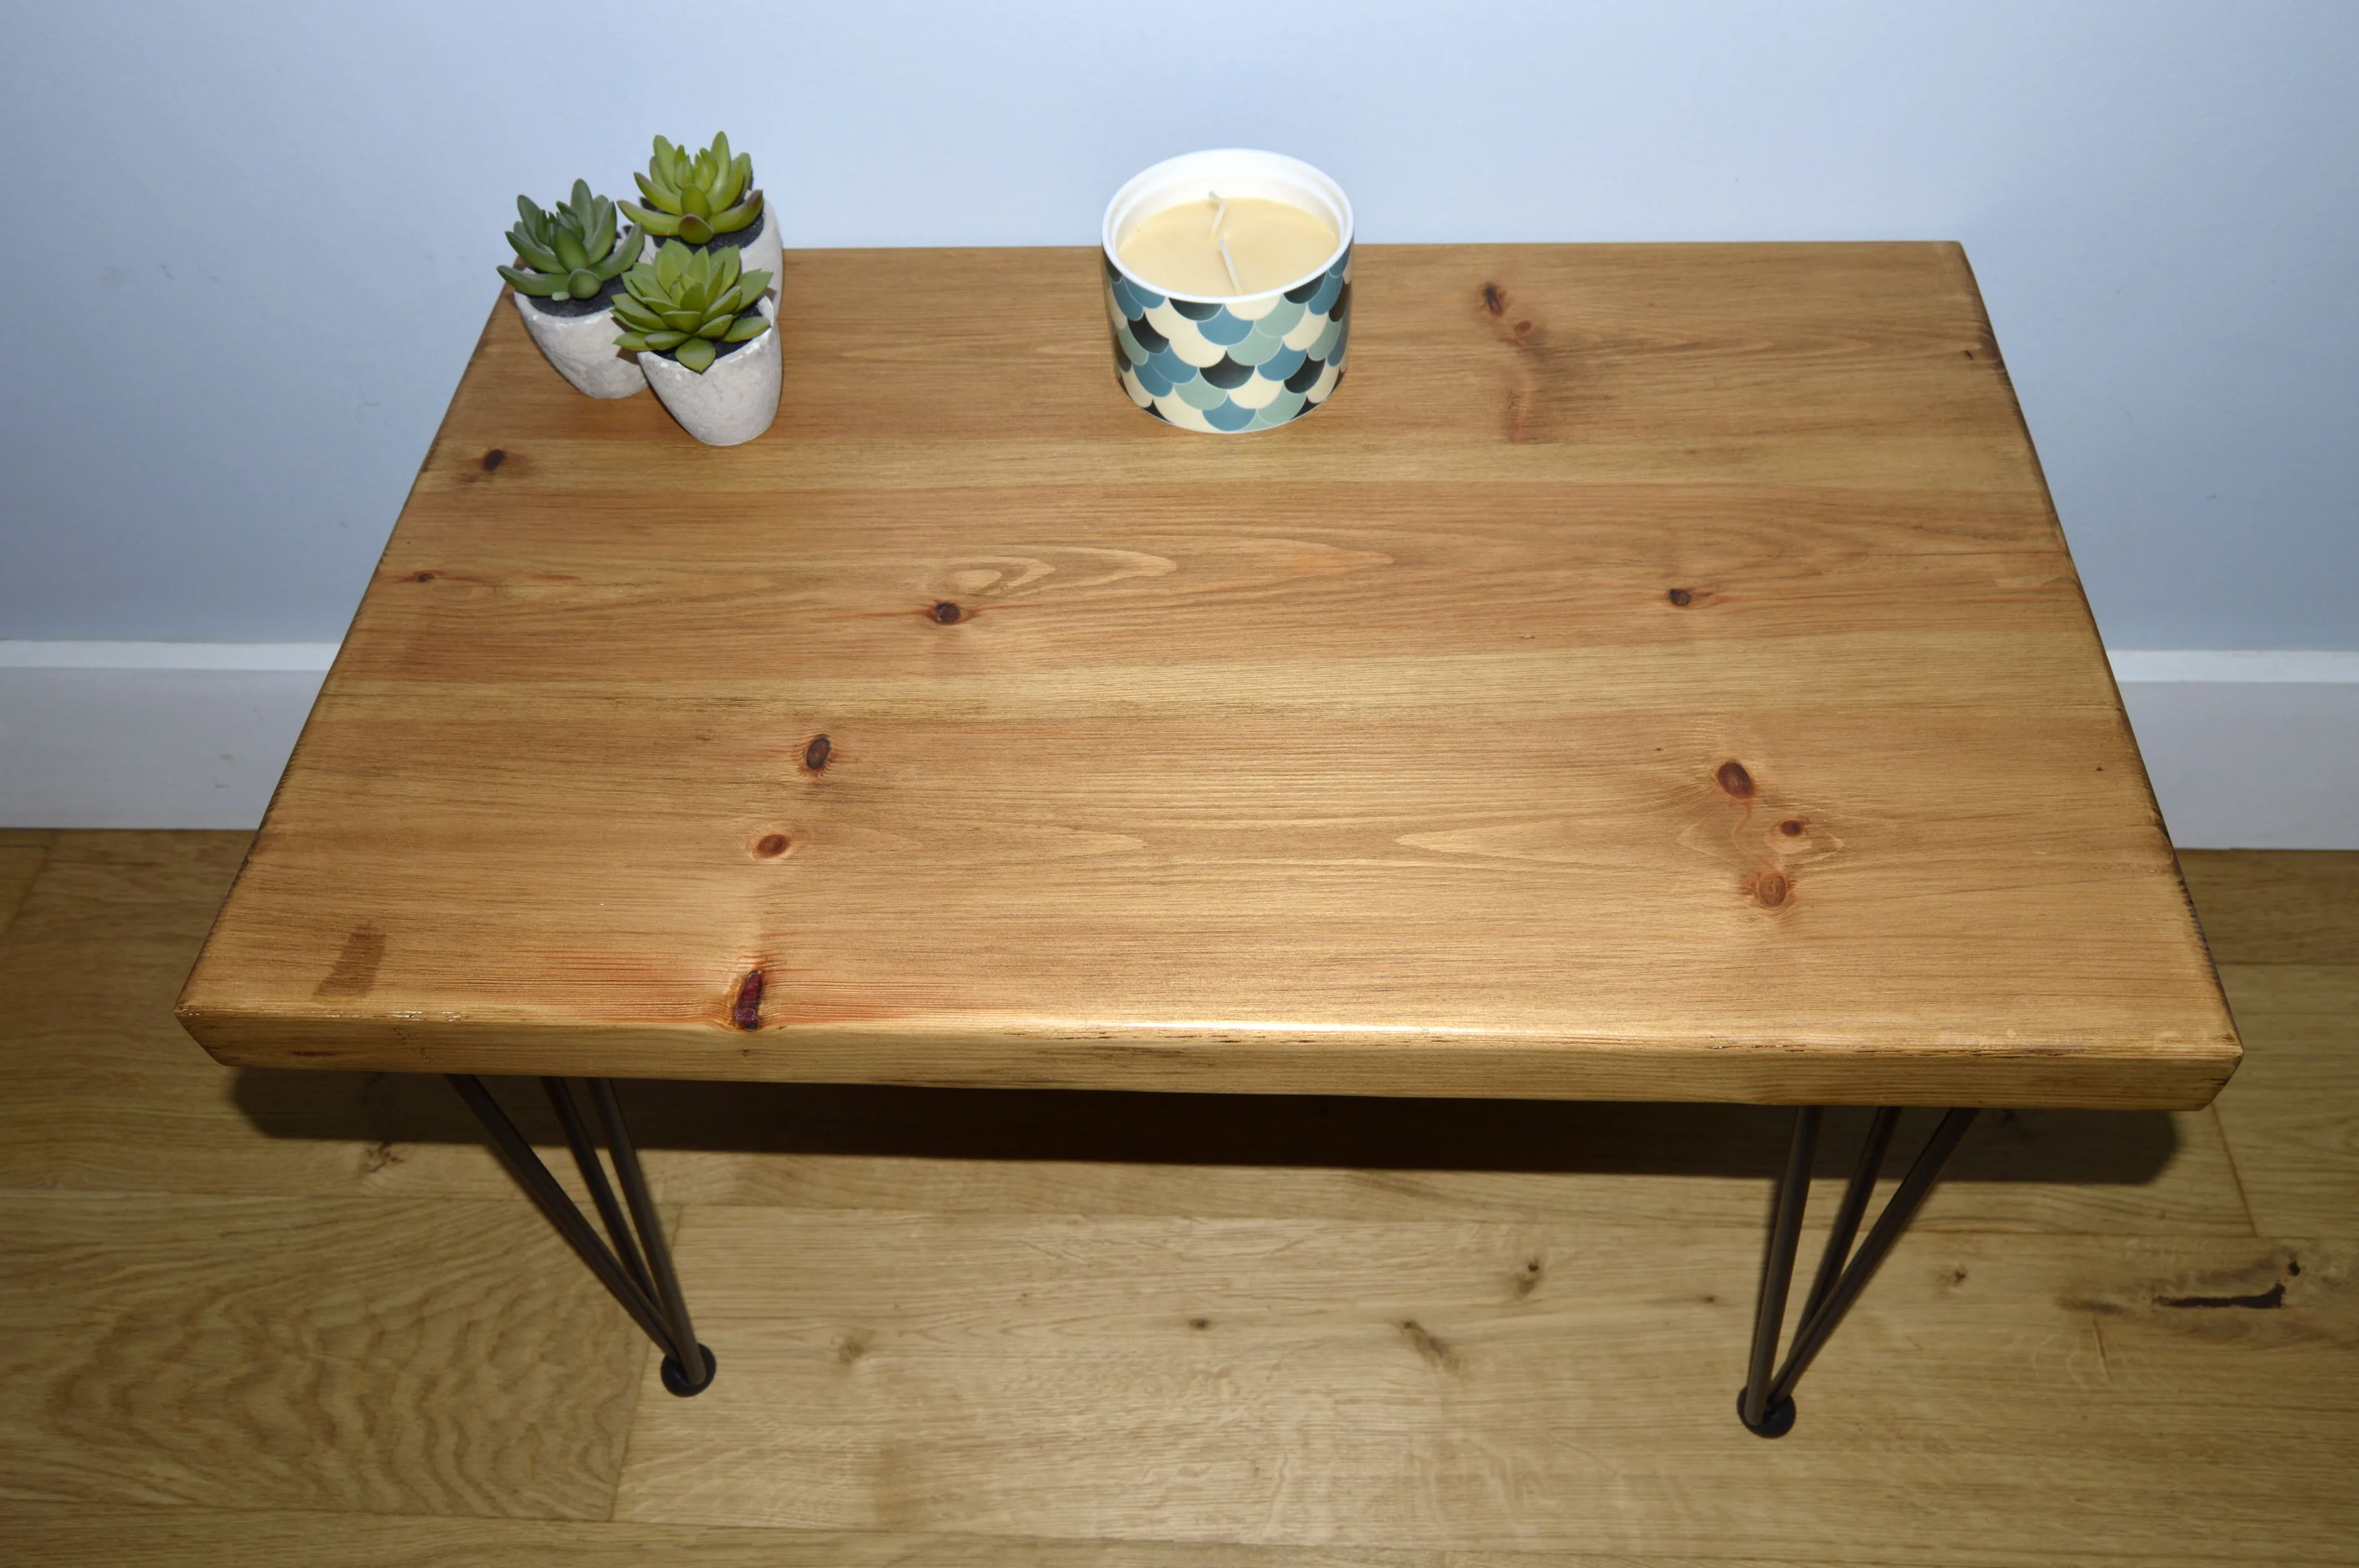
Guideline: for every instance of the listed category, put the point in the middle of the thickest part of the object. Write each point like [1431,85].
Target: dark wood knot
[746,1013]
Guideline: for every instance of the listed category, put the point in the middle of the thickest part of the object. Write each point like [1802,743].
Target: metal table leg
[637,1270]
[1766,1403]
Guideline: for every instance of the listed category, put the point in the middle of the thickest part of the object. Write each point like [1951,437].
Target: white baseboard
[2247,750]
[149,734]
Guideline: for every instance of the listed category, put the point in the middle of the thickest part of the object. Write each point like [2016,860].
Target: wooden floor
[276,1319]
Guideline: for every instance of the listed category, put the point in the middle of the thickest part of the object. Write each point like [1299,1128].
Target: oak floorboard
[361,1355]
[63,1536]
[22,850]
[2276,906]
[1493,1386]
[2291,1114]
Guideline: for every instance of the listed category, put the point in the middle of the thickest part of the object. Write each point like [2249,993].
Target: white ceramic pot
[582,348]
[731,402]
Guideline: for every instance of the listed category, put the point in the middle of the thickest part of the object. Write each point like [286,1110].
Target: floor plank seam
[678,1221]
[2235,1173]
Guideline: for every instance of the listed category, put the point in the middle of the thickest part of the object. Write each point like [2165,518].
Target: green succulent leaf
[655,221]
[630,343]
[696,355]
[583,283]
[752,285]
[748,327]
[666,340]
[538,284]
[633,314]
[695,230]
[683,320]
[737,217]
[571,250]
[727,182]
[622,254]
[537,257]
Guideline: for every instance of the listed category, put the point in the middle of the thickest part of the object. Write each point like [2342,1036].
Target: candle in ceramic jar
[1228,288]
[1221,245]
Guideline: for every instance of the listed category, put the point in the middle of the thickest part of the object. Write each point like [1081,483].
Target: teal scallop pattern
[1236,367]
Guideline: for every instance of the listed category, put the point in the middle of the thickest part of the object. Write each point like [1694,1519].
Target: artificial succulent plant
[572,252]
[696,198]
[687,303]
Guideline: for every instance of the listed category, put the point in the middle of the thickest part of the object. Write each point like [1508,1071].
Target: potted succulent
[704,331]
[704,199]
[568,271]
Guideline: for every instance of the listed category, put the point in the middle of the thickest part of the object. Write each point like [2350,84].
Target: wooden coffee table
[1659,674]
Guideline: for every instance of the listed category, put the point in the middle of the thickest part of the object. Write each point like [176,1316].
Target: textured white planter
[735,401]
[582,348]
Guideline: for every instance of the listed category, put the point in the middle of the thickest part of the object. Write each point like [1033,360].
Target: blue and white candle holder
[1229,363]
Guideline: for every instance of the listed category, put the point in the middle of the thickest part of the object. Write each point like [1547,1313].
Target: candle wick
[1220,210]
[1230,263]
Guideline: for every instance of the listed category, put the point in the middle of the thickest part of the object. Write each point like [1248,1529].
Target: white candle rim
[1215,165]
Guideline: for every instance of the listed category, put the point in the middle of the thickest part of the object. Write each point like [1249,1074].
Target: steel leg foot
[675,1381]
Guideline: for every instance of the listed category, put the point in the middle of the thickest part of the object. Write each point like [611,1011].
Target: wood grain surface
[393,1357]
[260,1318]
[2277,906]
[1659,674]
[1534,1387]
[22,850]
[2303,1108]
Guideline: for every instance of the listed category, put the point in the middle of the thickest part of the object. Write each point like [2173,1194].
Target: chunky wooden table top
[1659,673]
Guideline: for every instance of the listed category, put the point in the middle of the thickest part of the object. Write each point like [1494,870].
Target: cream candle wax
[1228,289]
[1225,246]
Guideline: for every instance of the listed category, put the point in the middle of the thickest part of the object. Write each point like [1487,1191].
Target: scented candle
[1228,288]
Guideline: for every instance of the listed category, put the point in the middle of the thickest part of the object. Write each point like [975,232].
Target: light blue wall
[2159,202]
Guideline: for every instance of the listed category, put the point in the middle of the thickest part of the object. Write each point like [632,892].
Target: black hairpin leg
[1765,1404]
[637,1270]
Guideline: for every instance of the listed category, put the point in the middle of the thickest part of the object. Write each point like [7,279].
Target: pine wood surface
[106,1096]
[1658,674]
[274,1317]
